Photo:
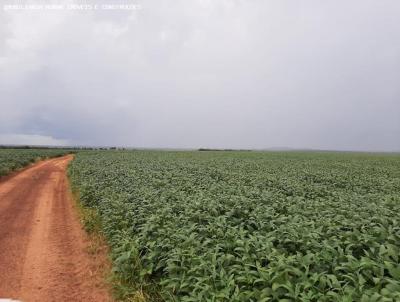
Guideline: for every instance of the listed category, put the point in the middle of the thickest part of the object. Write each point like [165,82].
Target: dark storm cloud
[234,74]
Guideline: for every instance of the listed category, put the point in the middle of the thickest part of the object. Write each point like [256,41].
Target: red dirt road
[43,249]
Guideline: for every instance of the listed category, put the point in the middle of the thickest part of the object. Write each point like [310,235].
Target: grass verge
[96,247]
[122,290]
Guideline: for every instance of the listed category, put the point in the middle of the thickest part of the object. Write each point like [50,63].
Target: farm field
[13,159]
[247,226]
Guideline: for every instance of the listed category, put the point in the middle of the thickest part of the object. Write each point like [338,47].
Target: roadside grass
[97,246]
[122,289]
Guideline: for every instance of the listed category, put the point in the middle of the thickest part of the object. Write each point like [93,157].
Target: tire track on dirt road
[42,245]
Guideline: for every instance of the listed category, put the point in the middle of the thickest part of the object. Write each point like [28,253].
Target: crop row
[248,226]
[13,159]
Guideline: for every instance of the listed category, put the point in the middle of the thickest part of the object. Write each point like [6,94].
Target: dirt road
[43,249]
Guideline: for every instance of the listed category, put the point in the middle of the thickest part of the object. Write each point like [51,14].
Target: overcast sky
[197,73]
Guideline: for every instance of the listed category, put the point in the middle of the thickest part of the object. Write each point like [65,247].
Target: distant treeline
[206,149]
[58,147]
[31,147]
[102,148]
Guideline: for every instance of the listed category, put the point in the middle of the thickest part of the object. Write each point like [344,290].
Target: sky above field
[190,73]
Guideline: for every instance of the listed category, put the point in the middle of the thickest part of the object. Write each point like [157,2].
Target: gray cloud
[235,74]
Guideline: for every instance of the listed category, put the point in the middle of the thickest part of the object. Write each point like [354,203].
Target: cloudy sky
[203,73]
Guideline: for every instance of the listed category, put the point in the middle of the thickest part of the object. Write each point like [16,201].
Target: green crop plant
[248,226]
[14,159]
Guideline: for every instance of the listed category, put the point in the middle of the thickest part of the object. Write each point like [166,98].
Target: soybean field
[13,159]
[247,226]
